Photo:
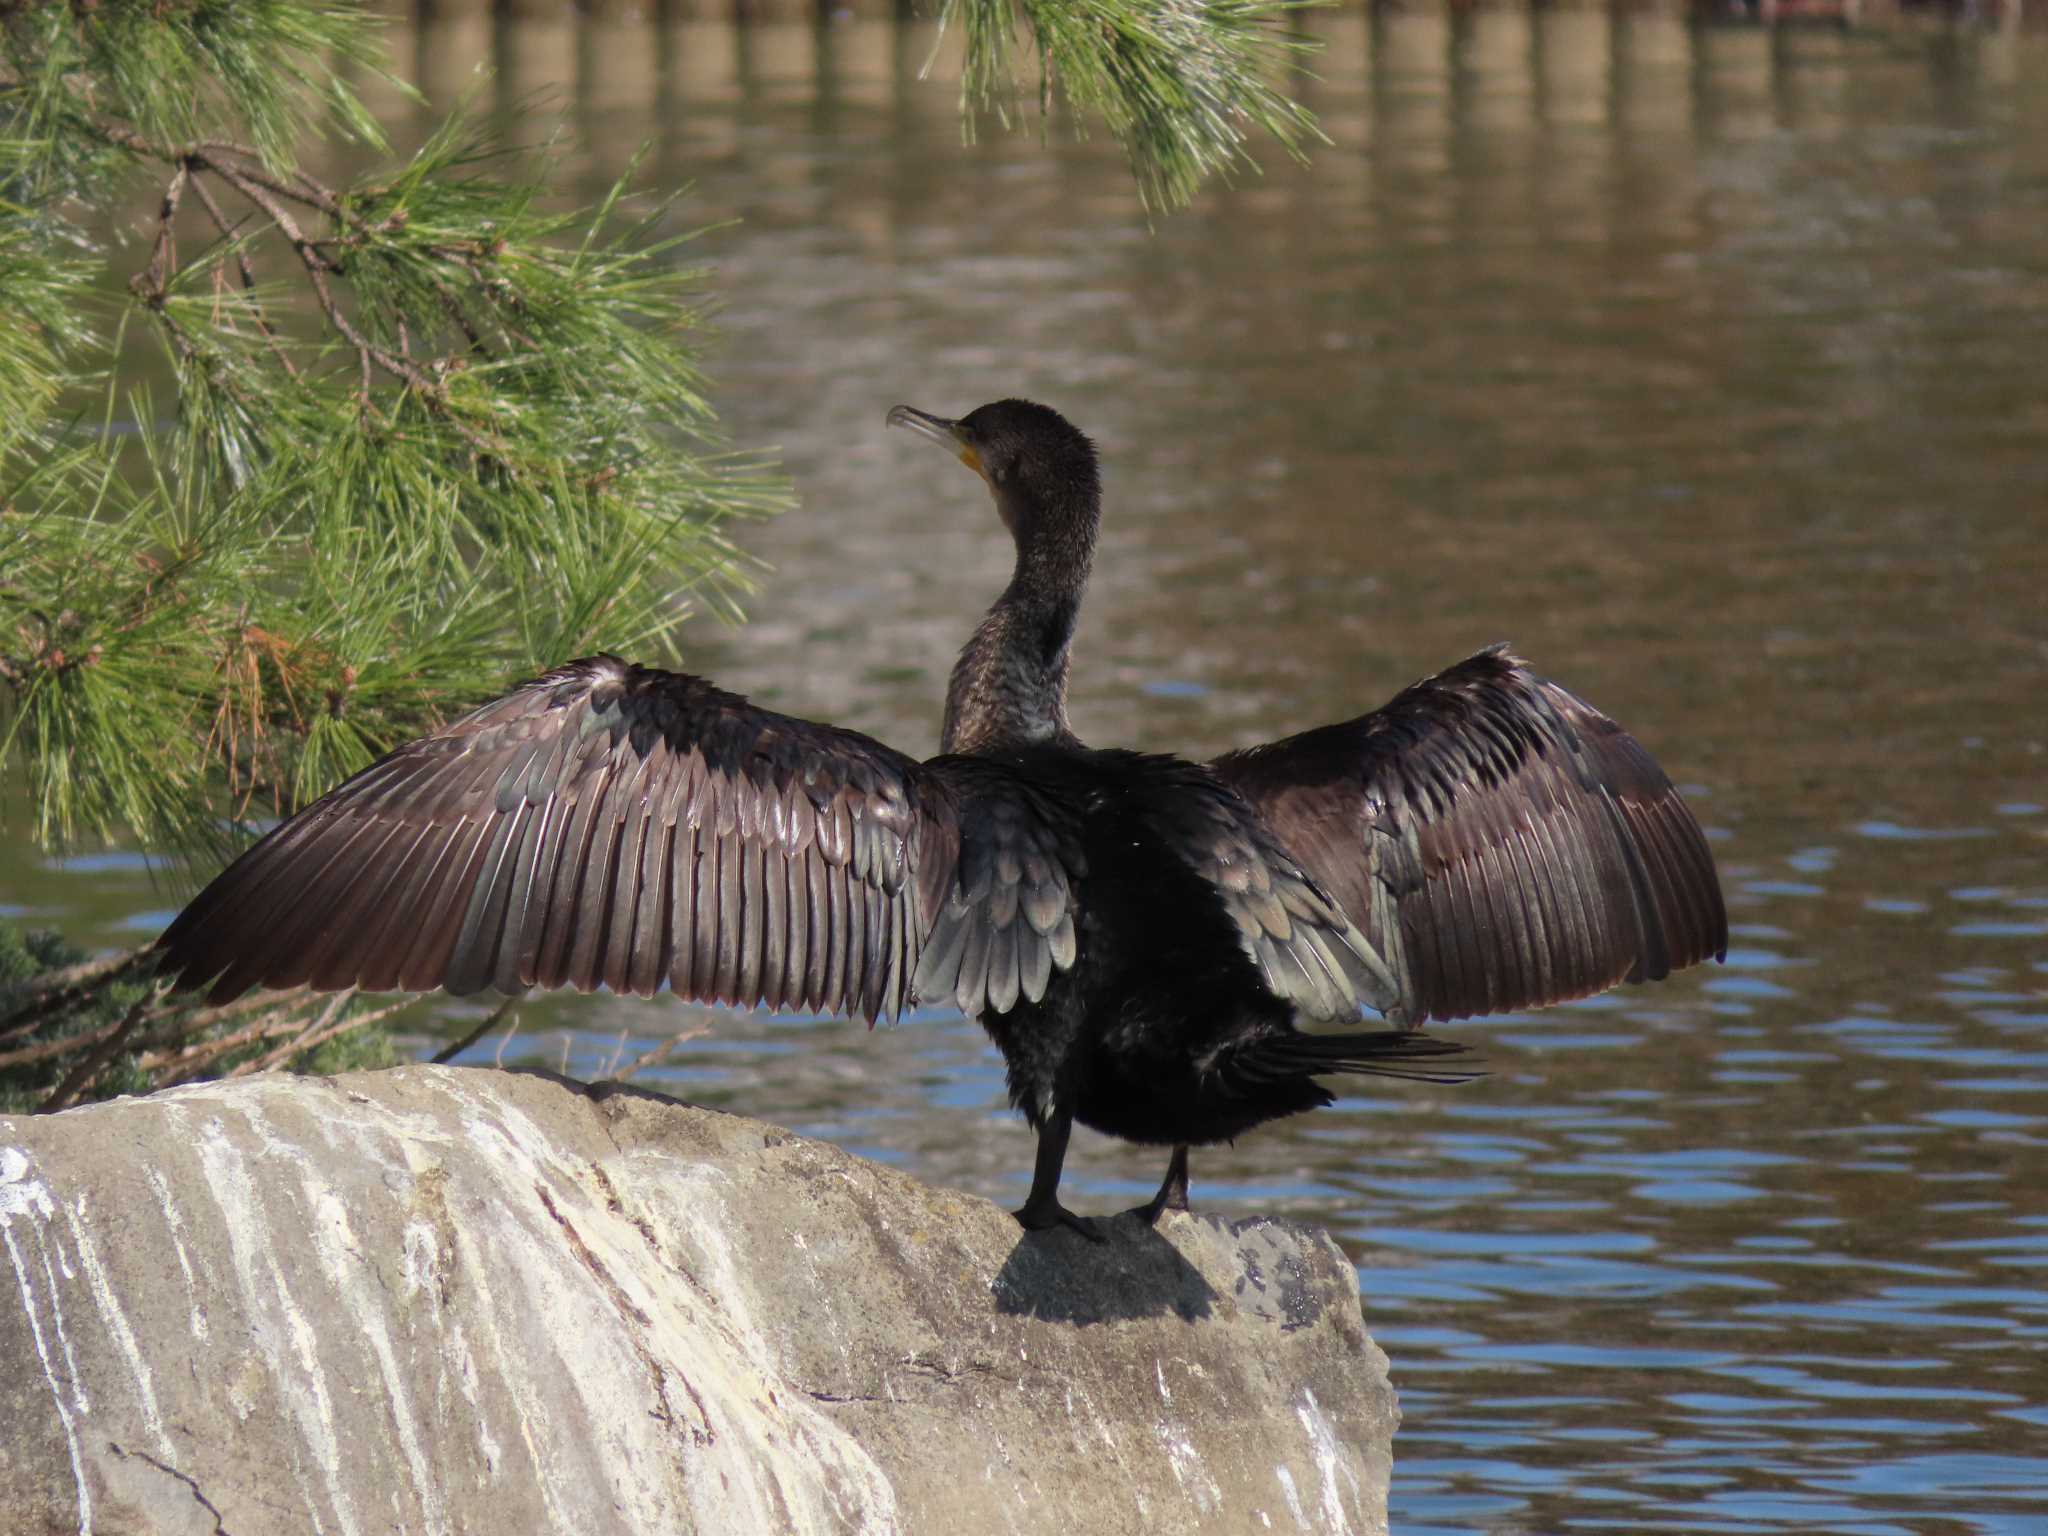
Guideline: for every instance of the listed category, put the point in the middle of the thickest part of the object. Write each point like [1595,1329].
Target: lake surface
[1708,367]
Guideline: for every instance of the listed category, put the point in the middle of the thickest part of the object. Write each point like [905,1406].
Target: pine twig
[163,254]
[248,274]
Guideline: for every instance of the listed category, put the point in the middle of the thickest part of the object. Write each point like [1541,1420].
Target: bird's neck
[1009,686]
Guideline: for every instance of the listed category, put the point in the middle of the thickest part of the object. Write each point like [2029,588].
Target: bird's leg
[1042,1208]
[1173,1191]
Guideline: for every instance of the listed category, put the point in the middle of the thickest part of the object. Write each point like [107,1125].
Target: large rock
[445,1300]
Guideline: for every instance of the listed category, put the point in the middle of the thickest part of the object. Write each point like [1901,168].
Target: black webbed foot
[1035,1216]
[1150,1212]
[1042,1208]
[1173,1191]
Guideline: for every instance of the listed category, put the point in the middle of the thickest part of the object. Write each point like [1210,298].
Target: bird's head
[1037,465]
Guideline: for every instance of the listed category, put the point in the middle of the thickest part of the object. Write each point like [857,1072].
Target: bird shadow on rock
[601,1089]
[1061,1277]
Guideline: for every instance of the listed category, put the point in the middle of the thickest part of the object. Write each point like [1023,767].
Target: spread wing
[1500,842]
[614,825]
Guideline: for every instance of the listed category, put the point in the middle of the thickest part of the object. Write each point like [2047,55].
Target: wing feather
[475,952]
[521,918]
[596,885]
[390,933]
[817,930]
[1576,945]
[753,916]
[682,882]
[320,959]
[1498,841]
[875,938]
[564,891]
[971,987]
[837,922]
[1308,949]
[1538,934]
[620,902]
[775,873]
[333,967]
[728,914]
[294,911]
[440,915]
[648,961]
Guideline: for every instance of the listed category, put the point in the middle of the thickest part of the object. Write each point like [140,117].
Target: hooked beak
[949,435]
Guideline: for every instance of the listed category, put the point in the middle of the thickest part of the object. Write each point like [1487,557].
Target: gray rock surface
[444,1300]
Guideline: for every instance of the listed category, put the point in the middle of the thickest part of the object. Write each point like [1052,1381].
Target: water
[1707,367]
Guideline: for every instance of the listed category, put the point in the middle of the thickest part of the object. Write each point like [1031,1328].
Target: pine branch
[1182,84]
[234,164]
[433,431]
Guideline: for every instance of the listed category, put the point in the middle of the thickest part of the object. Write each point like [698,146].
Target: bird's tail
[1396,1053]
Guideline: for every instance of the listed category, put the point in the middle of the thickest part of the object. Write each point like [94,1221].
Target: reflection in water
[1708,366]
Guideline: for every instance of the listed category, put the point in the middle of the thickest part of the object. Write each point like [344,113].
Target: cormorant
[1138,933]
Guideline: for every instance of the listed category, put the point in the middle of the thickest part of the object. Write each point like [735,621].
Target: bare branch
[43,1050]
[312,1037]
[54,991]
[320,1021]
[191,1061]
[82,1075]
[448,1053]
[660,1053]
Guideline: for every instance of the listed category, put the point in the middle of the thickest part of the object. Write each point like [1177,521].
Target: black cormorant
[1140,934]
